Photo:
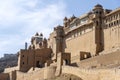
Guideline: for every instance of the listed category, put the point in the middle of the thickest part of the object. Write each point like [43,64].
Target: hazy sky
[21,19]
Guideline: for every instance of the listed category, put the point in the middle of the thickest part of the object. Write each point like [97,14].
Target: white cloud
[20,19]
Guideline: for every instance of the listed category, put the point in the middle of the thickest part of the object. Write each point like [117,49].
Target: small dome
[65,19]
[98,5]
[41,34]
[45,39]
[37,34]
[73,16]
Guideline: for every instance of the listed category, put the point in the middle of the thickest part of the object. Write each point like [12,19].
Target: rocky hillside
[9,60]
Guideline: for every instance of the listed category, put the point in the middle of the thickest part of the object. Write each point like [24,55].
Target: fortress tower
[36,41]
[98,23]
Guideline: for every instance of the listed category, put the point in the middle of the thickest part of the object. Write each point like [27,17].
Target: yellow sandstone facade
[80,38]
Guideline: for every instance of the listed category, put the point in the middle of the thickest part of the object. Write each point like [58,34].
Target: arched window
[117,22]
[96,12]
[66,62]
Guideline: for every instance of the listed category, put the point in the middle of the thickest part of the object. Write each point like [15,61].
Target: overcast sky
[21,19]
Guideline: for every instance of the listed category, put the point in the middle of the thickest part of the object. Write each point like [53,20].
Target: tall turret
[98,23]
[36,40]
[65,21]
[99,13]
[98,10]
[56,41]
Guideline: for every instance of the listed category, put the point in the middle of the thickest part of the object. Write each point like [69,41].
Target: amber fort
[87,47]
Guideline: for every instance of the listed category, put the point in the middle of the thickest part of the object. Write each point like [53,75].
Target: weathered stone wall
[112,31]
[26,60]
[110,60]
[84,42]
[36,75]
[8,70]
[93,74]
[49,72]
[39,74]
[29,58]
[4,76]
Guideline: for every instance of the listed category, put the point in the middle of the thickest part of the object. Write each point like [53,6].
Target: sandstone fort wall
[85,42]
[93,74]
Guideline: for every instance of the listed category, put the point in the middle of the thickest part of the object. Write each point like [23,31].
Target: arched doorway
[39,64]
[66,62]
